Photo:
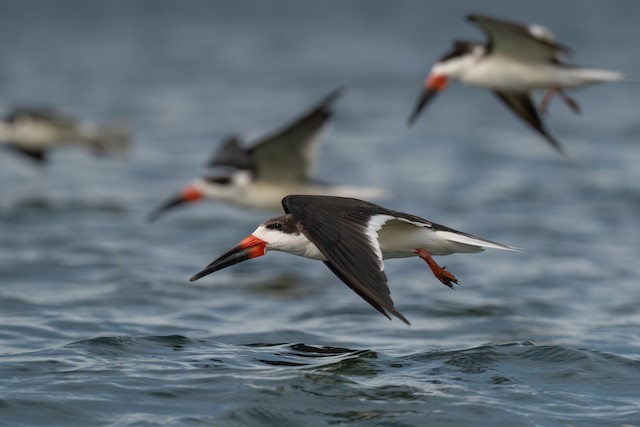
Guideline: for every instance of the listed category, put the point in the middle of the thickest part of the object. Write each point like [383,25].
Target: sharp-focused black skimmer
[517,59]
[352,237]
[33,131]
[277,165]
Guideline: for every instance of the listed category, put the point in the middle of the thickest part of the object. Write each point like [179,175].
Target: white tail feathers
[477,242]
[593,75]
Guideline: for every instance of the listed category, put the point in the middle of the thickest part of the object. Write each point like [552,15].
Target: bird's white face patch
[293,243]
[239,180]
[457,66]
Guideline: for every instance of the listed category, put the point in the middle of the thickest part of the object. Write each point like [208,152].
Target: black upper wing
[230,153]
[36,154]
[520,103]
[337,226]
[286,155]
[528,42]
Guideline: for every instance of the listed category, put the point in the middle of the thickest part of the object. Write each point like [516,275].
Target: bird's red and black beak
[187,195]
[251,247]
[433,85]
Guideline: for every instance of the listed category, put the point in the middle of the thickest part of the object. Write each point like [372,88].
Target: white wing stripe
[417,224]
[375,224]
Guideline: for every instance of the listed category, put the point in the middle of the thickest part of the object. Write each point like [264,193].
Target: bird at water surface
[353,237]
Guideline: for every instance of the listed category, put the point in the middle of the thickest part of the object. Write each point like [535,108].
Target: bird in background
[352,237]
[516,59]
[276,165]
[32,132]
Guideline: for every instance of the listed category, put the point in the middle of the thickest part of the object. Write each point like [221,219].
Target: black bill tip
[251,247]
[426,96]
[155,214]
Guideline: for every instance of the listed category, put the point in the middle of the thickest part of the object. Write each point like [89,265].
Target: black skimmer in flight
[516,59]
[33,131]
[260,176]
[352,237]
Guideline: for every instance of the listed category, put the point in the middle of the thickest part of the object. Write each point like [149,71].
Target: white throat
[293,243]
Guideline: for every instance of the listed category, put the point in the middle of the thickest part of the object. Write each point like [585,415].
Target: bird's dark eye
[274,226]
[222,180]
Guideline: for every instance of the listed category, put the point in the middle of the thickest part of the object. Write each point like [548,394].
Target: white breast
[31,134]
[508,74]
[400,238]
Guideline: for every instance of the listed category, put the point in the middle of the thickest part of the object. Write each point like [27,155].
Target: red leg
[571,103]
[544,104]
[444,276]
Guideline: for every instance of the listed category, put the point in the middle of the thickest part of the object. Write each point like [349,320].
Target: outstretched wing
[35,154]
[520,103]
[40,114]
[286,155]
[230,153]
[526,42]
[345,231]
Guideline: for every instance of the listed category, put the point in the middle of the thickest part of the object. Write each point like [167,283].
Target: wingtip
[556,145]
[513,249]
[397,314]
[471,17]
[403,319]
[476,17]
[333,96]
[550,139]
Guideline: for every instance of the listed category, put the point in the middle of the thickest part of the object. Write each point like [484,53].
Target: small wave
[119,346]
[300,380]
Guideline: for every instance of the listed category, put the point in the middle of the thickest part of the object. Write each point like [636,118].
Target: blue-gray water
[99,325]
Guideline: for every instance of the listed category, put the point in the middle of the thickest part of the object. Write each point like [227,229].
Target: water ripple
[294,382]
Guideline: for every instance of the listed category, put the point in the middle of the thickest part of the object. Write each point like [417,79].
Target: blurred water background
[99,325]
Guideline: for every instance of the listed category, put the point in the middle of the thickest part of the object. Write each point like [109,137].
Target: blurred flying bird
[516,59]
[278,164]
[352,237]
[33,131]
